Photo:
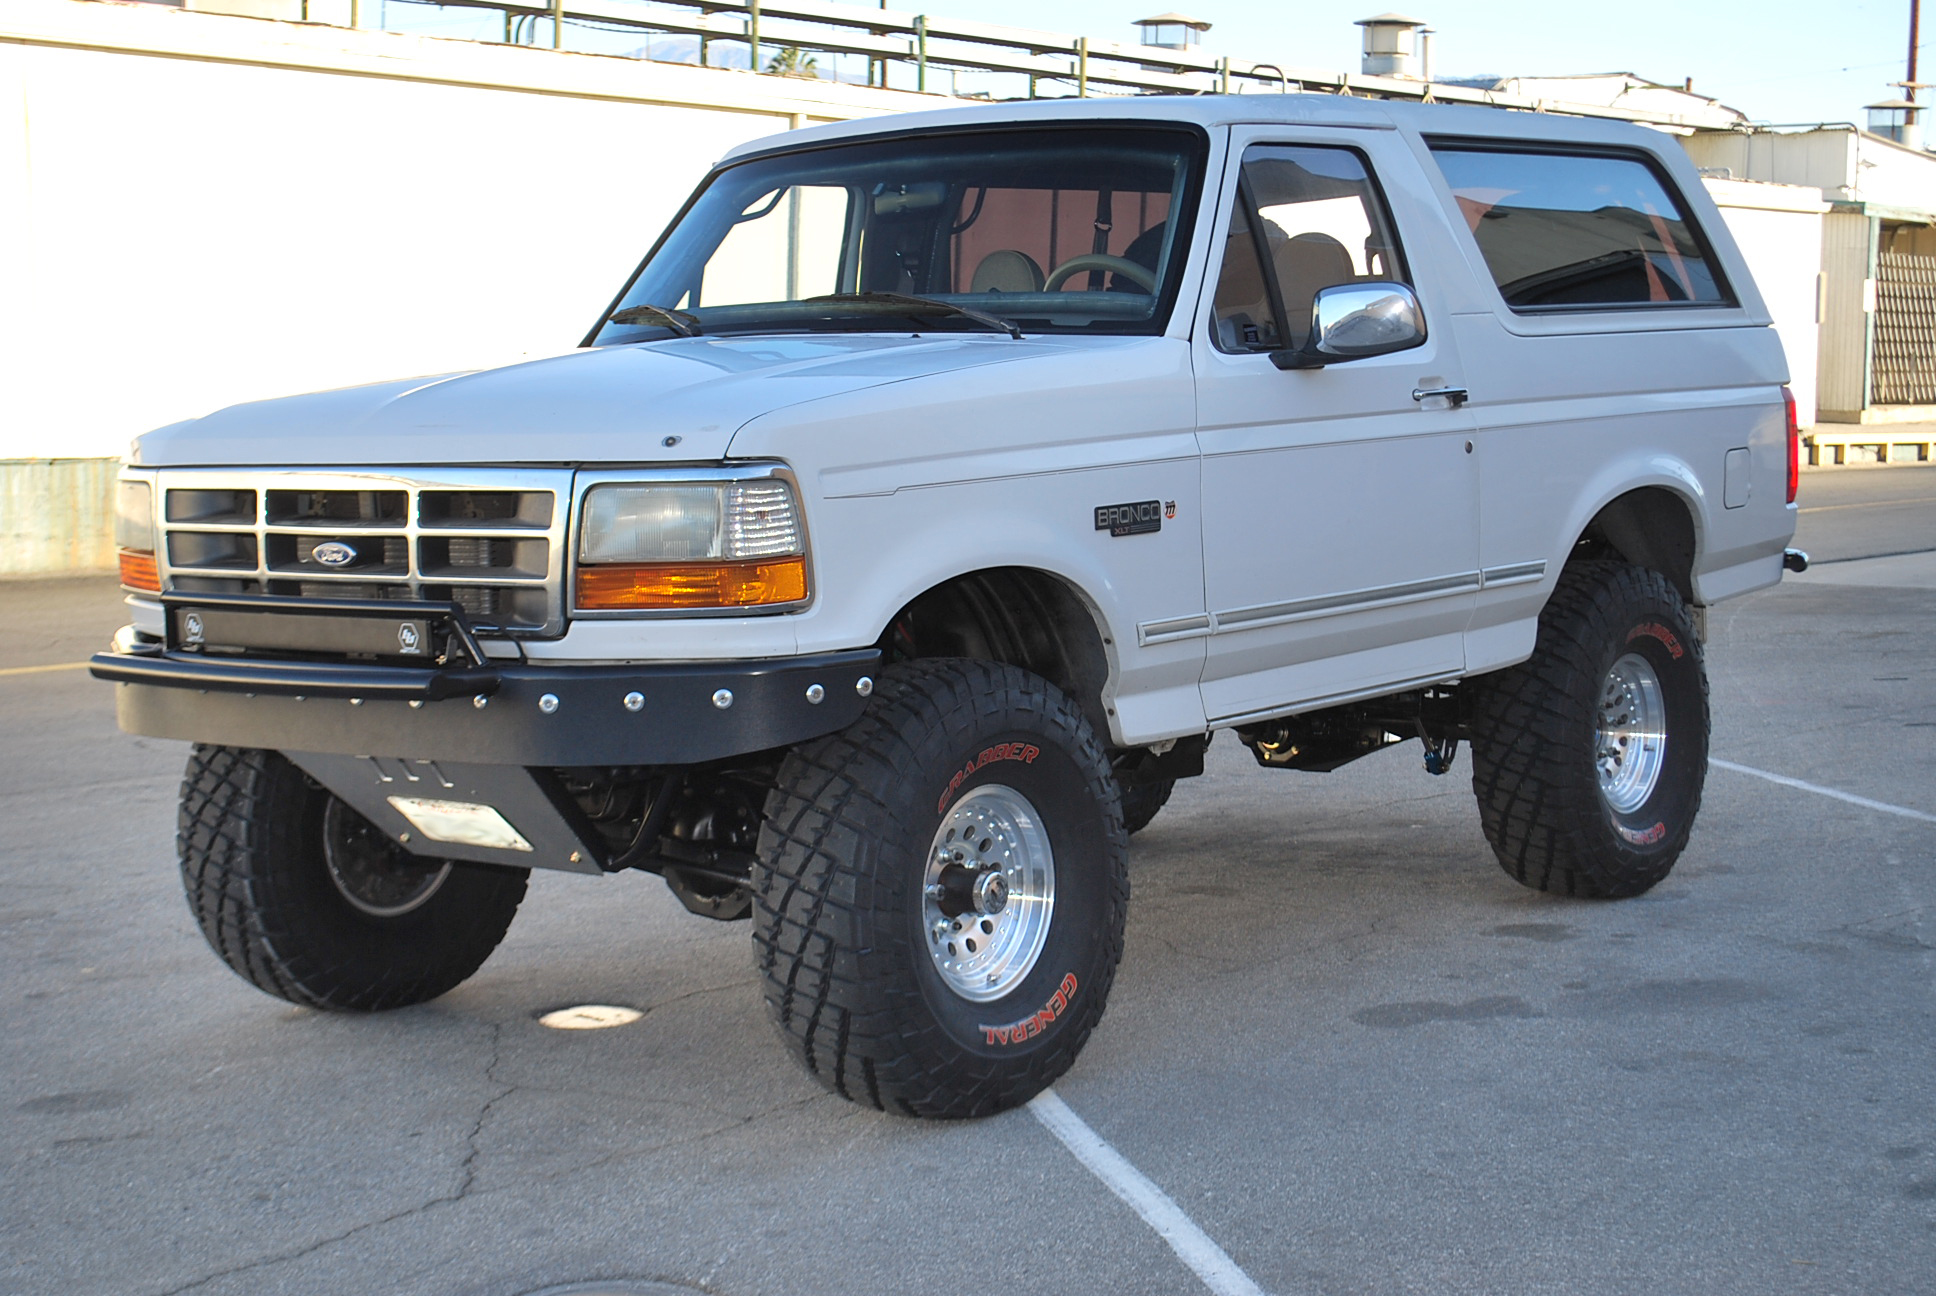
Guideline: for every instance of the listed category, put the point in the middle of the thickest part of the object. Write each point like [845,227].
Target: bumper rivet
[403,837]
[480,701]
[576,857]
[723,698]
[356,701]
[416,704]
[635,701]
[864,685]
[816,694]
[548,703]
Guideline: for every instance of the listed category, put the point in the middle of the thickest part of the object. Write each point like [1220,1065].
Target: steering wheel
[1142,276]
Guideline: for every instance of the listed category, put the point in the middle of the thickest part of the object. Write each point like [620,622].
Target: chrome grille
[492,540]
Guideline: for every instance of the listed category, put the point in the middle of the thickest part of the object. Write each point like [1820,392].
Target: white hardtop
[1213,111]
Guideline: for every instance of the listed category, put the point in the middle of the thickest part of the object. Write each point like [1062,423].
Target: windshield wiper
[678,321]
[903,304]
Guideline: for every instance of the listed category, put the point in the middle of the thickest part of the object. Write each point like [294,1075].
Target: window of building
[1579,231]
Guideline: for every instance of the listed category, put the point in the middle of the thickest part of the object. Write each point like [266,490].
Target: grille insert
[492,543]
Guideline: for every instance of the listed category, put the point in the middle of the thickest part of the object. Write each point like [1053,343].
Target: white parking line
[1818,790]
[1191,1244]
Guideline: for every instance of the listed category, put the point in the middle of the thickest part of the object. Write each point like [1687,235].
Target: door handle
[1456,395]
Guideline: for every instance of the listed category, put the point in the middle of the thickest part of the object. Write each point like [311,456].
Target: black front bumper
[492,714]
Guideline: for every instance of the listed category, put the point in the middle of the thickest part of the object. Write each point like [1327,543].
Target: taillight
[1794,445]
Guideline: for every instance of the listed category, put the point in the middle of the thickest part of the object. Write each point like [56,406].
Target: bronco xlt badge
[1130,519]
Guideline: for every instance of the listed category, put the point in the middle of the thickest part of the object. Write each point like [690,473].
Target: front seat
[1007,271]
[1305,263]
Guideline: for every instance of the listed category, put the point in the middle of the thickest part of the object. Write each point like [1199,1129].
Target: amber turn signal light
[632,587]
[138,572]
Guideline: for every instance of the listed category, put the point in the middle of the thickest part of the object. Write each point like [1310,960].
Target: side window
[1578,231]
[786,245]
[1306,218]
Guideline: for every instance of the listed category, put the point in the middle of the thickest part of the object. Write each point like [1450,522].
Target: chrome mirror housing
[1356,320]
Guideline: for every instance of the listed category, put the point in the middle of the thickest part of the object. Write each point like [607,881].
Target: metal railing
[1062,61]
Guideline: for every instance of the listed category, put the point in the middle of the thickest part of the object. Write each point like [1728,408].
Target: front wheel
[306,900]
[941,891]
[1589,758]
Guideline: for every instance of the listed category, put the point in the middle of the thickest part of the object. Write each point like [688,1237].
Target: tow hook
[1794,560]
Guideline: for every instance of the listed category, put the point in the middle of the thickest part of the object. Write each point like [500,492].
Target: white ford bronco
[909,523]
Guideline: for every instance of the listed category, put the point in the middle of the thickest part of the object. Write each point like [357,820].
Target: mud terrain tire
[250,835]
[866,991]
[1573,798]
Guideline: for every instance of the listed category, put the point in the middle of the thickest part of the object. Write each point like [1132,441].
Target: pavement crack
[467,1169]
[703,990]
[467,1177]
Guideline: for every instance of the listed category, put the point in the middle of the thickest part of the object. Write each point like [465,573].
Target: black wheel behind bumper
[307,902]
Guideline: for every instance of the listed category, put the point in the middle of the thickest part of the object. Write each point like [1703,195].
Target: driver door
[1340,504]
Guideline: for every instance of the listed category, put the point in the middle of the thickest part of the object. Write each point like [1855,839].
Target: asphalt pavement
[1358,1056]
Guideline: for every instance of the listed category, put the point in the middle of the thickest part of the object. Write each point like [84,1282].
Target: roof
[1173,19]
[1391,19]
[1211,111]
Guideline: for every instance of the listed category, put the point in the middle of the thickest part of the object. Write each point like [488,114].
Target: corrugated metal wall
[56,515]
[1848,267]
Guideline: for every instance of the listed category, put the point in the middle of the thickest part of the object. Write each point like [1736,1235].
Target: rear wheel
[308,901]
[1589,758]
[941,891]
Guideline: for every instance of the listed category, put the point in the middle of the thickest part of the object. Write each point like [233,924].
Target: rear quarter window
[1580,231]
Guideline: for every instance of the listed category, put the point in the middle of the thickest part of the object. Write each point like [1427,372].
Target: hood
[609,405]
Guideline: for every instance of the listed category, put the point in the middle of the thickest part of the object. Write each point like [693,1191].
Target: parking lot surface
[1343,1042]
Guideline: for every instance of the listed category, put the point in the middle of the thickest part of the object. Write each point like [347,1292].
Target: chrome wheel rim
[988,893]
[1630,741]
[374,874]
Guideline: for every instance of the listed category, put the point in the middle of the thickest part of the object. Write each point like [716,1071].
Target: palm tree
[790,62]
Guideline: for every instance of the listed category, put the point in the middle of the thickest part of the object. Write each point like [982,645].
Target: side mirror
[1352,321]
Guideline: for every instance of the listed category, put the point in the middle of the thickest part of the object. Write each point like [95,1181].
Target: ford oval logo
[333,553]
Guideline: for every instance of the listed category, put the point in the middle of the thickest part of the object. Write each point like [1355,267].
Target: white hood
[610,405]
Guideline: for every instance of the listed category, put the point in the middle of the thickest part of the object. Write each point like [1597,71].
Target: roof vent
[1394,46]
[1172,31]
[1895,119]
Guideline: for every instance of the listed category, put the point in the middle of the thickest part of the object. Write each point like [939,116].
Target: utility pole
[1912,131]
[1915,23]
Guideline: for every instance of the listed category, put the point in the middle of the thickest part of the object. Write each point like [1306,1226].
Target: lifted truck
[905,528]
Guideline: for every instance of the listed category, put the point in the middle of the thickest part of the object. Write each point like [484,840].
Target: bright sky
[1776,60]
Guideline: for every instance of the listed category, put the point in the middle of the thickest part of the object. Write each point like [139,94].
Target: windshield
[1048,230]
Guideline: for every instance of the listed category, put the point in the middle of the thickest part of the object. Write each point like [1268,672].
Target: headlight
[690,545]
[134,536]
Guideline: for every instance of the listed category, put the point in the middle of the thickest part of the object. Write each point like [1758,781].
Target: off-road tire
[838,917]
[1533,732]
[1141,801]
[250,837]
